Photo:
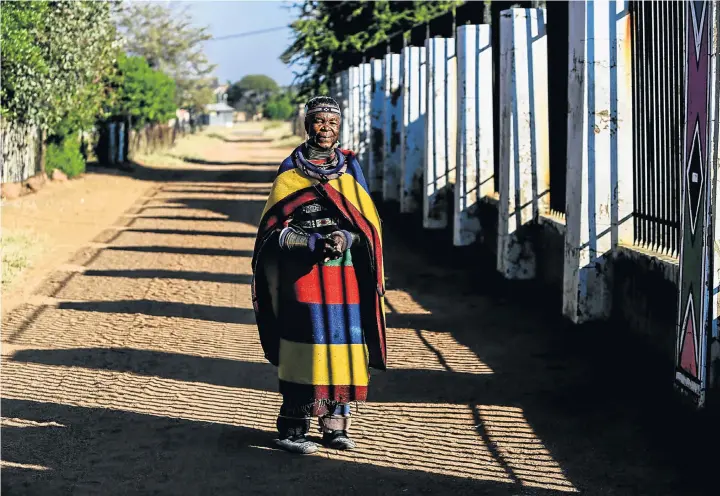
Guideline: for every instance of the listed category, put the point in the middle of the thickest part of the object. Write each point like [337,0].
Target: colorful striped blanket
[321,323]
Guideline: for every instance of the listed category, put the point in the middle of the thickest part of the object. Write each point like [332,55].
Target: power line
[248,33]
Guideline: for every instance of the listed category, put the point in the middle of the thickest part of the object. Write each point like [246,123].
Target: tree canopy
[280,106]
[56,60]
[252,92]
[325,31]
[165,37]
[145,94]
[257,82]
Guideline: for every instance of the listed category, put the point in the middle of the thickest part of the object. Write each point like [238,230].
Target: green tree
[252,92]
[325,31]
[259,83]
[146,95]
[165,37]
[280,107]
[56,60]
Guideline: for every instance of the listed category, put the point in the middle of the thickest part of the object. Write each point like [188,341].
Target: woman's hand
[337,243]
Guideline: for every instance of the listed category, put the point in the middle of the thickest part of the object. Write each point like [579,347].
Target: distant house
[218,113]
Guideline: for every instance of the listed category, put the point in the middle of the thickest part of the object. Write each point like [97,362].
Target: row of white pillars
[430,137]
[431,132]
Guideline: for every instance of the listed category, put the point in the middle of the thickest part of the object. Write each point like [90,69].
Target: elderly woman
[318,284]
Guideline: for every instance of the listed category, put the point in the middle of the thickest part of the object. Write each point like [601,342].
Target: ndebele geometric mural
[696,247]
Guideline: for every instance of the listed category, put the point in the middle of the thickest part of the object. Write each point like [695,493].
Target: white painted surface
[377,120]
[599,199]
[475,160]
[440,131]
[393,121]
[354,117]
[412,138]
[524,158]
[363,150]
[344,102]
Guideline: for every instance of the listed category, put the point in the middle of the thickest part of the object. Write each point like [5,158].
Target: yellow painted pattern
[323,364]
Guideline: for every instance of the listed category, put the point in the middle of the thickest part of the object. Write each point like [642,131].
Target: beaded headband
[332,109]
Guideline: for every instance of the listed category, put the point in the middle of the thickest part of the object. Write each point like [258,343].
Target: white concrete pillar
[363,150]
[354,120]
[377,130]
[524,158]
[412,138]
[440,131]
[599,198]
[393,121]
[335,90]
[344,102]
[475,156]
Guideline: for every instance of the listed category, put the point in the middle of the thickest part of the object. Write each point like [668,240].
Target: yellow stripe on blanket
[292,181]
[323,364]
[286,184]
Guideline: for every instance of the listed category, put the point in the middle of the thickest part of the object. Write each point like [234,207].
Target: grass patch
[288,141]
[273,125]
[18,250]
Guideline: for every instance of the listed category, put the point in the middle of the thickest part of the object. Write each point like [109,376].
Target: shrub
[64,154]
[279,107]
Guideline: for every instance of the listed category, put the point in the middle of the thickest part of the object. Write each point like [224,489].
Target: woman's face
[324,129]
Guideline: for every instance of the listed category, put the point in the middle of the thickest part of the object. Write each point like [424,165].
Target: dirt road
[135,368]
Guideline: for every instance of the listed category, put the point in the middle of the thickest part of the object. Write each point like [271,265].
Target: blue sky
[257,54]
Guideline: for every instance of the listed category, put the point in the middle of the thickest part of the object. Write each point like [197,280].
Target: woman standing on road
[318,284]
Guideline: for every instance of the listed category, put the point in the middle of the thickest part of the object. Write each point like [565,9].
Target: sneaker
[297,444]
[338,440]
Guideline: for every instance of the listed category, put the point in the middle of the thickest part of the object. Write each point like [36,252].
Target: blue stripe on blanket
[323,323]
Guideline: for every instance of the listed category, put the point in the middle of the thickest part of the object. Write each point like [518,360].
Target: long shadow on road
[488,392]
[195,458]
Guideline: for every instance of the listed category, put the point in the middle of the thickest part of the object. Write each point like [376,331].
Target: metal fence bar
[658,103]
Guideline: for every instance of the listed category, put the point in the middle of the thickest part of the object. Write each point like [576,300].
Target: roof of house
[218,107]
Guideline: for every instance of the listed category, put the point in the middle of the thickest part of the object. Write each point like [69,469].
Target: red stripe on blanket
[329,285]
[282,209]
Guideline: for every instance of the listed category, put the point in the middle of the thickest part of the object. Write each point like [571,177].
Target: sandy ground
[58,220]
[135,366]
